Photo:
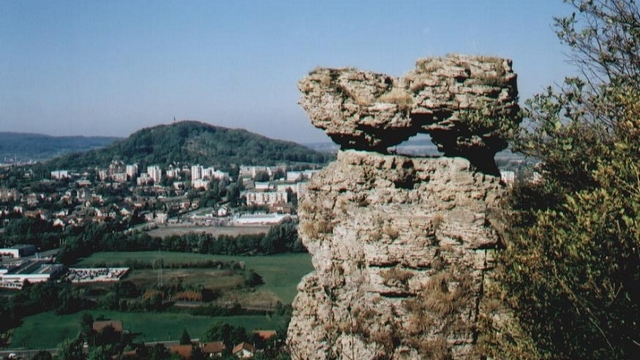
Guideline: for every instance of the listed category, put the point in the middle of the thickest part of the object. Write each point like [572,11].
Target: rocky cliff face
[402,247]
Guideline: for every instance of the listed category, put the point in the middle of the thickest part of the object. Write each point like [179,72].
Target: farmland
[150,326]
[280,273]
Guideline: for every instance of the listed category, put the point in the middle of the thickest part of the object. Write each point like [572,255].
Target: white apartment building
[298,187]
[173,173]
[220,175]
[196,172]
[102,174]
[155,172]
[9,194]
[119,177]
[262,186]
[251,171]
[199,172]
[266,198]
[132,171]
[60,174]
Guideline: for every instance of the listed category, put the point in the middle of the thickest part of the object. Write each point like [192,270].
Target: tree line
[191,142]
[82,241]
[281,238]
[571,268]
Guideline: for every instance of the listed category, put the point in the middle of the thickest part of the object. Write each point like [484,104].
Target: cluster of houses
[81,206]
[276,193]
[211,349]
[119,172]
[153,194]
[214,349]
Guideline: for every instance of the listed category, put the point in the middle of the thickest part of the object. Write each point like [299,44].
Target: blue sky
[109,68]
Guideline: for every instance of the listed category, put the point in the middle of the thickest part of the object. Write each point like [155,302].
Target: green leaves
[572,267]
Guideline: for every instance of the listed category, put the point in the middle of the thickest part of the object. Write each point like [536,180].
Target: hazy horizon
[73,68]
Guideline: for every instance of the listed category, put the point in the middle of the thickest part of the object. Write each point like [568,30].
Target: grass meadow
[281,273]
[154,326]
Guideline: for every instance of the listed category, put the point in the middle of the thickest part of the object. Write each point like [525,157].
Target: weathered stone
[465,103]
[403,248]
[400,250]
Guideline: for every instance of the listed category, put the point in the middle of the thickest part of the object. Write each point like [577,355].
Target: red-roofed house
[265,334]
[213,348]
[184,351]
[244,350]
[98,326]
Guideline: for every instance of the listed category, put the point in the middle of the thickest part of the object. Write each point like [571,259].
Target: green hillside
[193,142]
[24,146]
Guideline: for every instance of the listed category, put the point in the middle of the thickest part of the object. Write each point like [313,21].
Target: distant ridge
[193,142]
[28,146]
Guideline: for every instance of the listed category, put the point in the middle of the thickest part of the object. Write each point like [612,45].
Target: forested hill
[24,146]
[193,142]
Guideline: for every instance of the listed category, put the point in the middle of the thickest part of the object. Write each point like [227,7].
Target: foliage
[98,353]
[235,310]
[7,321]
[86,325]
[35,146]
[282,238]
[154,326]
[42,355]
[572,263]
[192,142]
[253,279]
[44,296]
[28,230]
[70,350]
[604,38]
[185,339]
[230,335]
[281,273]
[83,241]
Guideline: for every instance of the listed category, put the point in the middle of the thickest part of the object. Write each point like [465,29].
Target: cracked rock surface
[401,249]
[465,103]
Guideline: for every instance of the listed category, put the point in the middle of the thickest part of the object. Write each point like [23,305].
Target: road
[22,353]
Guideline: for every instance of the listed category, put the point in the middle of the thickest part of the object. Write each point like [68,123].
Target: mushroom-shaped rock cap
[466,103]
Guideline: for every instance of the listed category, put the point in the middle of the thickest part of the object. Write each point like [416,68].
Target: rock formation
[402,247]
[464,103]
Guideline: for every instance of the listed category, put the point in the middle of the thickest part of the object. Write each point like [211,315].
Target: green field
[281,273]
[46,330]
